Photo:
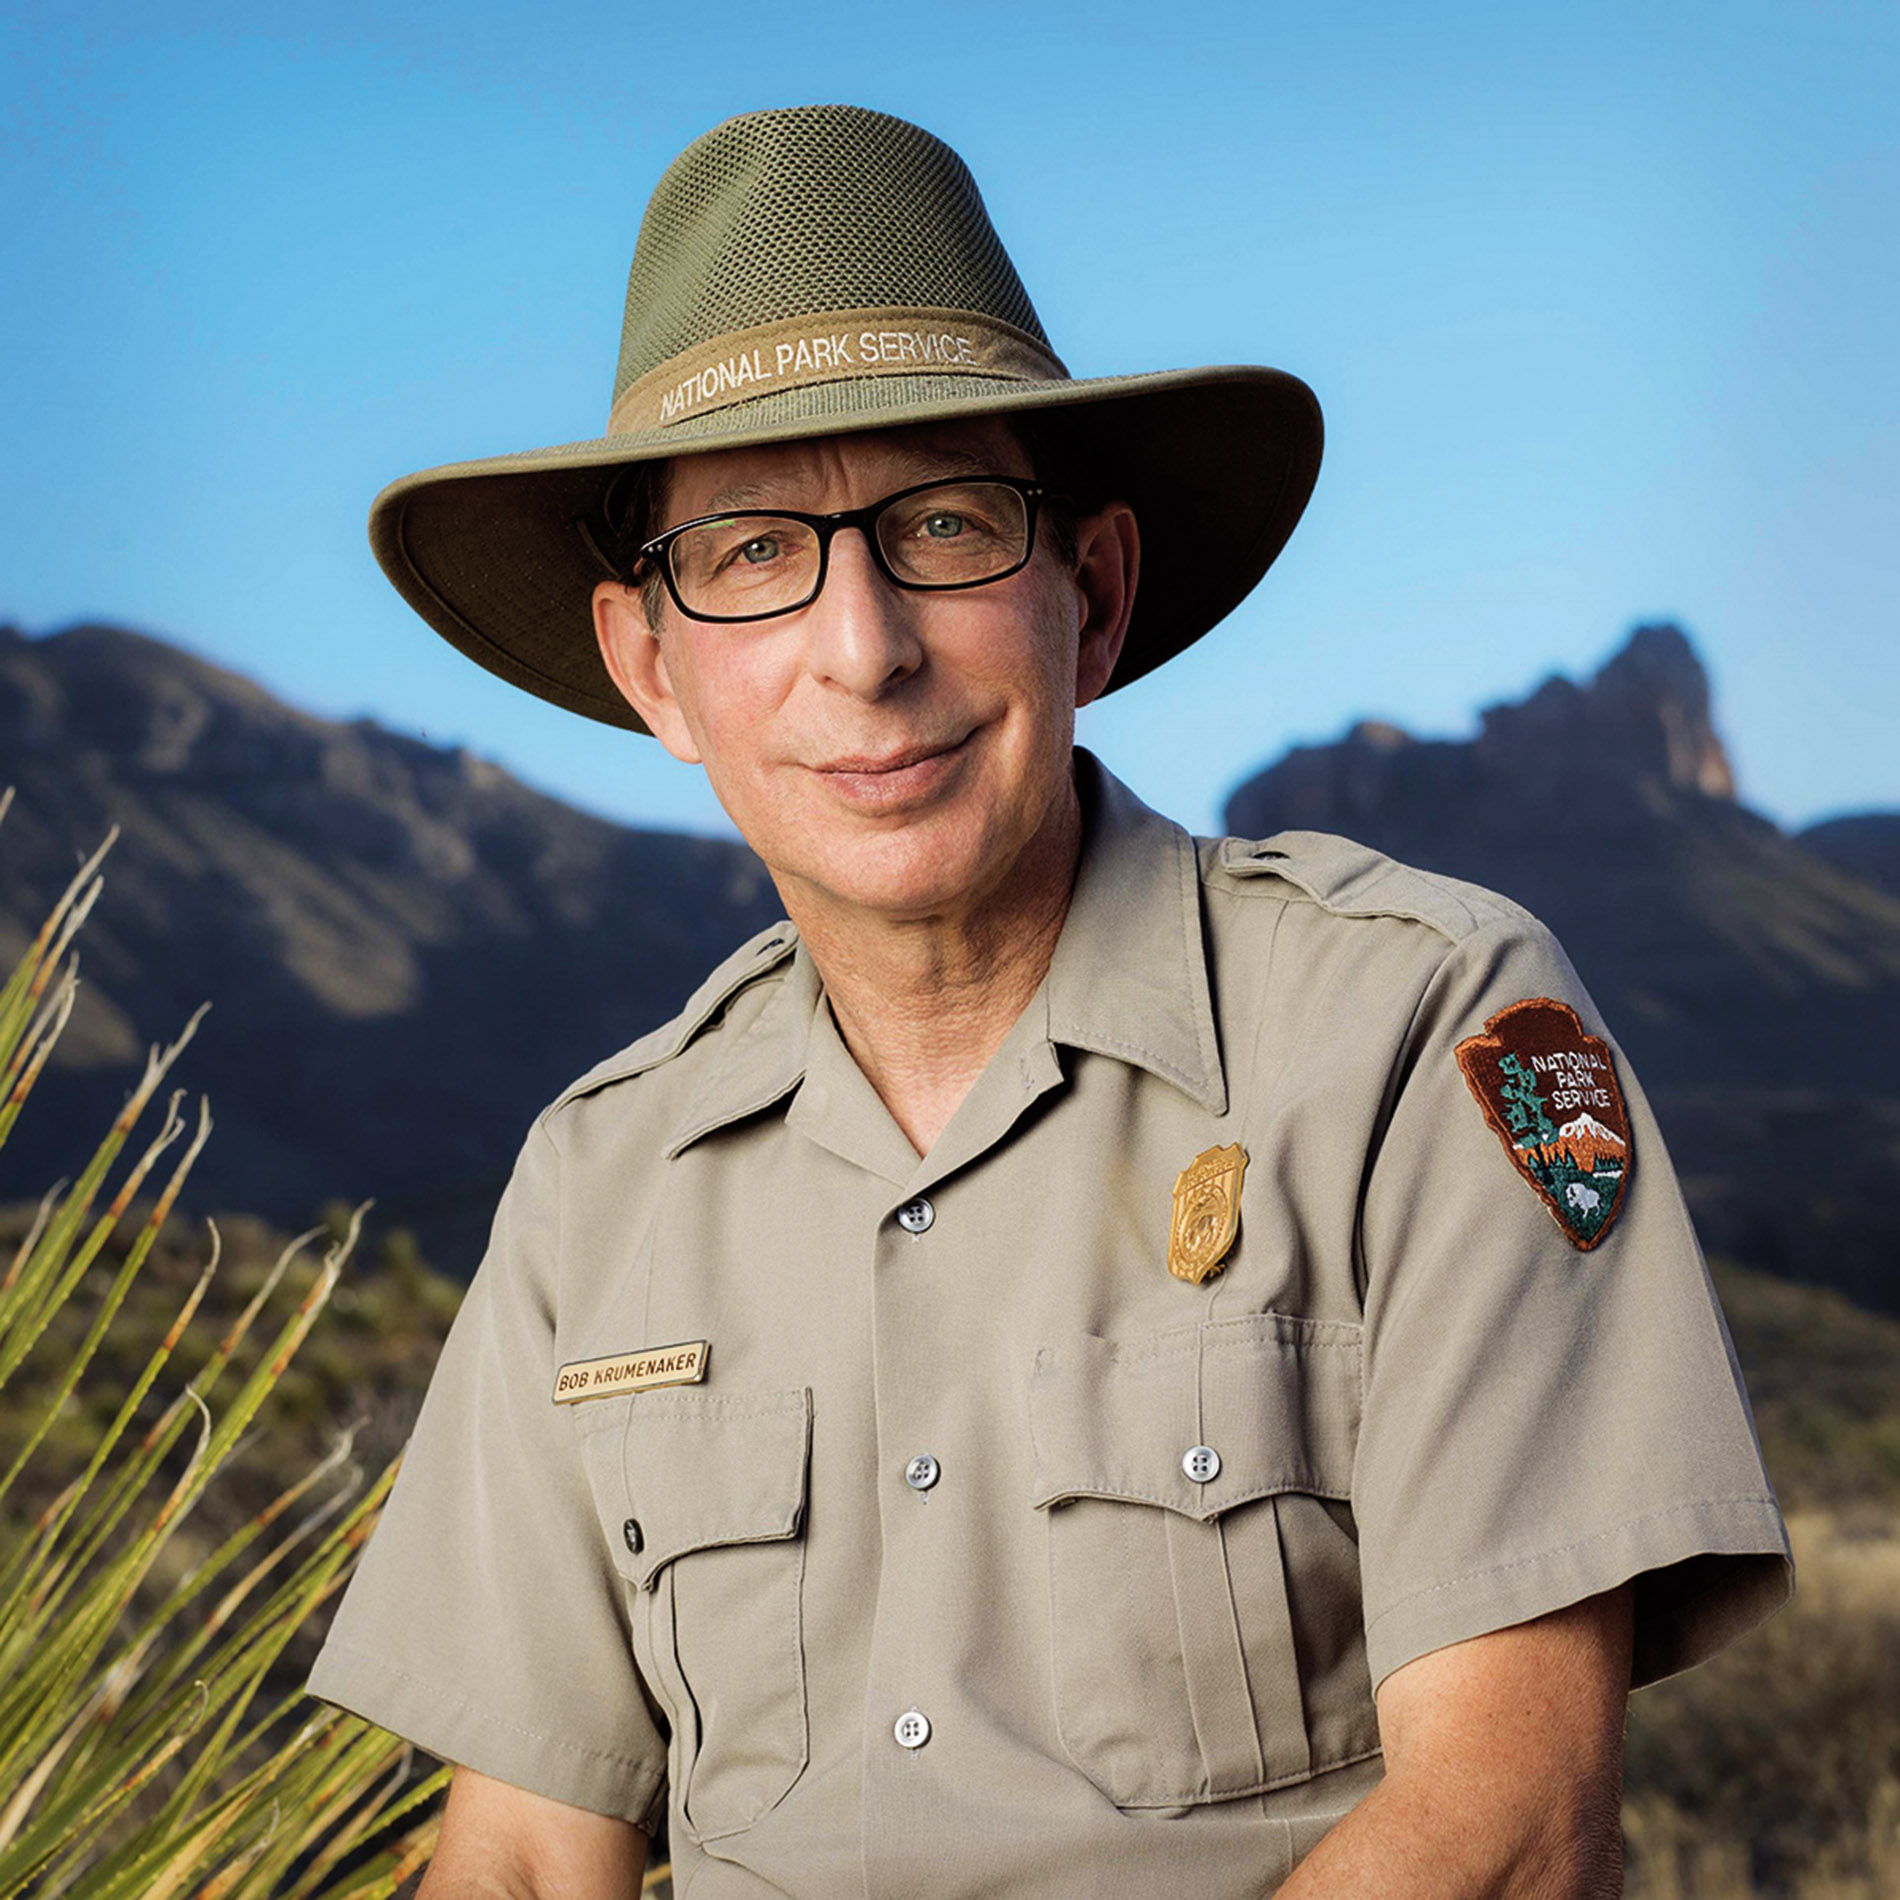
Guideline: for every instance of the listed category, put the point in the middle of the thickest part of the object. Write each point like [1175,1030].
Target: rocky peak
[1642,719]
[1635,735]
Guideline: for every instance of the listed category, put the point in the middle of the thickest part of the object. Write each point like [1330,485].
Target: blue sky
[1601,303]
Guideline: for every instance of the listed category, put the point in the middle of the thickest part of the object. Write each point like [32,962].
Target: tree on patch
[1523,1106]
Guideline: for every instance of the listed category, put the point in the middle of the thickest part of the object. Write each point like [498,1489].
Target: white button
[1201,1463]
[922,1472]
[912,1730]
[915,1216]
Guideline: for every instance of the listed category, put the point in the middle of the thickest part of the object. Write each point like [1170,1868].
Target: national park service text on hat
[813,272]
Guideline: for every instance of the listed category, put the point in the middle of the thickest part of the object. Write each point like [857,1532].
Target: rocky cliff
[407,951]
[1864,844]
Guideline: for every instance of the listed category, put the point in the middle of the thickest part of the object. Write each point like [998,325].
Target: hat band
[828,347]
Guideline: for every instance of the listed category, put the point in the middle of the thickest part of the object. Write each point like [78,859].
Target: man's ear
[1107,566]
[630,651]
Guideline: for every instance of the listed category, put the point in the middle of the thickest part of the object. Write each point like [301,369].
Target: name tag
[631,1372]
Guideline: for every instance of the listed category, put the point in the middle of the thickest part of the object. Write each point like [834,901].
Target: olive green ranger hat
[810,273]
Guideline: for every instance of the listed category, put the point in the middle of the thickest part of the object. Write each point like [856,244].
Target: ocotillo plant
[145,1749]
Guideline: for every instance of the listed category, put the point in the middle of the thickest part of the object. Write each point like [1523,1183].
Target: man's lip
[867,765]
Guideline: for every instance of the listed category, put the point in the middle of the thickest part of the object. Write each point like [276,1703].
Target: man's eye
[943,526]
[755,552]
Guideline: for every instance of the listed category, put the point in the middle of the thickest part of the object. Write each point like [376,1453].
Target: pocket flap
[1278,1400]
[699,1469]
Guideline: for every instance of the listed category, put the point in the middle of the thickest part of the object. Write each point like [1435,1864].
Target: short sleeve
[486,1622]
[1543,1421]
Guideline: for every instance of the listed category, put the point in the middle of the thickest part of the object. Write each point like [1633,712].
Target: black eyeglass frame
[1033,494]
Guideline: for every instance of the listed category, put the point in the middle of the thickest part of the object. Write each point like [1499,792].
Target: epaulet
[1352,880]
[750,961]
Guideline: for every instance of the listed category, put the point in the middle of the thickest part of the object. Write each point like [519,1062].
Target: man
[1082,1358]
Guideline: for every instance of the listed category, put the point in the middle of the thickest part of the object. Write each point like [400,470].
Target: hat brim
[1217,464]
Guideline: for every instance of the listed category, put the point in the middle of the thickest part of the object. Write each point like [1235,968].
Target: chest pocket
[702,1501]
[1207,1628]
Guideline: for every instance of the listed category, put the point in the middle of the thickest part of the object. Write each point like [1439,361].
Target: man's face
[883,750]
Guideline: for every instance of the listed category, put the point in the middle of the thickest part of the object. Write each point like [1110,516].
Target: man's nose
[863,630]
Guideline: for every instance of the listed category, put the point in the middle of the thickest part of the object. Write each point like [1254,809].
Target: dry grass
[1774,1770]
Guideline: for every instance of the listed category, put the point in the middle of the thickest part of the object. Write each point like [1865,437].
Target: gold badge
[631,1372]
[1206,1212]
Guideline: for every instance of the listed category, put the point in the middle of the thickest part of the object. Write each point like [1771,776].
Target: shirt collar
[1128,978]
[766,1058]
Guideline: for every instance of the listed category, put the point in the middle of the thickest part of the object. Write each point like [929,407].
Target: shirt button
[1201,1463]
[916,1216]
[922,1472]
[912,1730]
[630,1534]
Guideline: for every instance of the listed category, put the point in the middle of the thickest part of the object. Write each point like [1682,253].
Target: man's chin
[901,874]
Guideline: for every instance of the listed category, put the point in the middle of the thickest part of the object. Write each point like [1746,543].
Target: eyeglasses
[934,538]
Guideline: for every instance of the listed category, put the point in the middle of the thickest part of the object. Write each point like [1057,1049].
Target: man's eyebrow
[948,462]
[739,495]
[924,465]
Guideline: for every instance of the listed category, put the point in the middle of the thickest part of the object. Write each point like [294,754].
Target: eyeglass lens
[953,535]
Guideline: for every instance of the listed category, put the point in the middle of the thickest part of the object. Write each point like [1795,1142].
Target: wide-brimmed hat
[818,271]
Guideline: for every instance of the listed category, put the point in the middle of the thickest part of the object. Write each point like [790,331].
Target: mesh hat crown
[819,271]
[779,214]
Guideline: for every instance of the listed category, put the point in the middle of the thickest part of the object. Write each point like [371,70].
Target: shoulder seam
[1366,883]
[759,957]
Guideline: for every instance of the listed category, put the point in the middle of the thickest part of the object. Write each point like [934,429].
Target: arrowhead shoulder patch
[1550,1093]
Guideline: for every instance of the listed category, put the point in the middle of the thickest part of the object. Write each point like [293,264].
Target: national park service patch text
[1549,1091]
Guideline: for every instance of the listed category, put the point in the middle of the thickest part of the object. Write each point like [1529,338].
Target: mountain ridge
[381,925]
[409,952]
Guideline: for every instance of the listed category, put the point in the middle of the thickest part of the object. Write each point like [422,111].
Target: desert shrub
[1774,1770]
[1775,1767]
[147,1745]
[1824,1379]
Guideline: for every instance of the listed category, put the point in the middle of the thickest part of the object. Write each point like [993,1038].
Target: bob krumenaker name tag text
[631,1372]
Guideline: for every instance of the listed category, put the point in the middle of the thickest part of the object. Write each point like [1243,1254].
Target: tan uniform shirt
[916,1594]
